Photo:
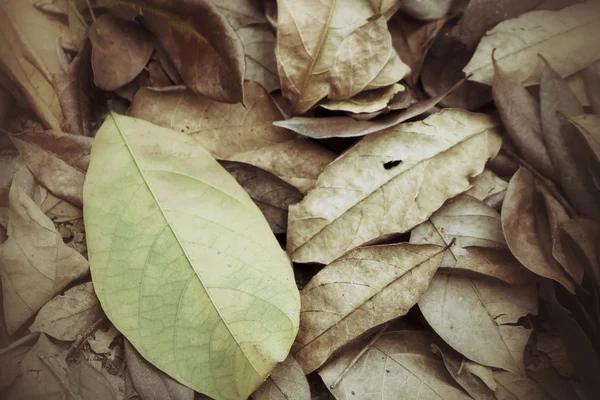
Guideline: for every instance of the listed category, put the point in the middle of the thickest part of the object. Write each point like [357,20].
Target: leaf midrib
[204,286]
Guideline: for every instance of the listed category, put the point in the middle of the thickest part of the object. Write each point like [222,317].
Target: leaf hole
[392,164]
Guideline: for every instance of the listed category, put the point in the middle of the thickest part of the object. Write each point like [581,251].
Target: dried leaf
[389,183]
[272,195]
[90,383]
[518,387]
[527,228]
[591,77]
[581,244]
[454,304]
[35,263]
[566,38]
[241,13]
[365,102]
[364,288]
[202,44]
[151,383]
[68,315]
[398,365]
[11,361]
[577,167]
[520,113]
[489,188]
[249,138]
[469,382]
[57,160]
[120,51]
[287,382]
[473,231]
[320,46]
[261,64]
[589,126]
[101,340]
[58,210]
[323,128]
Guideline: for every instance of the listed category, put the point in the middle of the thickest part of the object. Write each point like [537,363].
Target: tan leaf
[241,13]
[250,137]
[11,359]
[59,210]
[390,182]
[261,64]
[150,382]
[365,102]
[589,126]
[120,51]
[29,56]
[286,382]
[528,229]
[520,113]
[320,46]
[397,365]
[202,44]
[362,289]
[566,38]
[473,231]
[454,305]
[57,160]
[577,167]
[581,244]
[272,195]
[35,263]
[68,315]
[101,340]
[426,9]
[489,188]
[91,384]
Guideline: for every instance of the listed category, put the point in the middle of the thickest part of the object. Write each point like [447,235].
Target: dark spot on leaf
[387,370]
[392,164]
[353,393]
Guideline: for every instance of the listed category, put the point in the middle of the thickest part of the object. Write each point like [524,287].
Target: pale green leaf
[183,262]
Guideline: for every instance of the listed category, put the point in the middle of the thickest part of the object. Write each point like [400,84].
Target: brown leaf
[489,188]
[581,244]
[319,46]
[35,263]
[528,229]
[389,183]
[577,167]
[261,64]
[364,288]
[272,195]
[241,13]
[411,40]
[589,126]
[152,383]
[101,340]
[120,51]
[201,43]
[90,383]
[72,89]
[57,160]
[286,382]
[518,387]
[58,210]
[370,101]
[473,231]
[10,361]
[323,128]
[591,77]
[520,113]
[157,76]
[469,382]
[250,137]
[397,365]
[68,315]
[453,305]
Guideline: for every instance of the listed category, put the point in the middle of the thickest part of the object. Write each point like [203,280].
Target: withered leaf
[120,51]
[519,41]
[91,384]
[241,13]
[250,137]
[261,64]
[35,263]
[320,46]
[70,314]
[473,231]
[591,77]
[390,182]
[581,244]
[478,317]
[364,288]
[369,101]
[202,44]
[150,382]
[520,113]
[286,382]
[272,195]
[58,160]
[576,165]
[589,126]
[397,365]
[527,228]
[518,387]
[489,188]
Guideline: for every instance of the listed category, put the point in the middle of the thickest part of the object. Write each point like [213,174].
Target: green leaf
[183,262]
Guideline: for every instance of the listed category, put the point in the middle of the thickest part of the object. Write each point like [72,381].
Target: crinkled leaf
[390,182]
[364,288]
[249,137]
[200,41]
[287,382]
[206,294]
[566,38]
[454,305]
[70,314]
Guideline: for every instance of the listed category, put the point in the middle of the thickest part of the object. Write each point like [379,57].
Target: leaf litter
[431,170]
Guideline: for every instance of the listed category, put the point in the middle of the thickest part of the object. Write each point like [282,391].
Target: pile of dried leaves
[432,170]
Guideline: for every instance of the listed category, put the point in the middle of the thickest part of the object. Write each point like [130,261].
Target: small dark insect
[392,164]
